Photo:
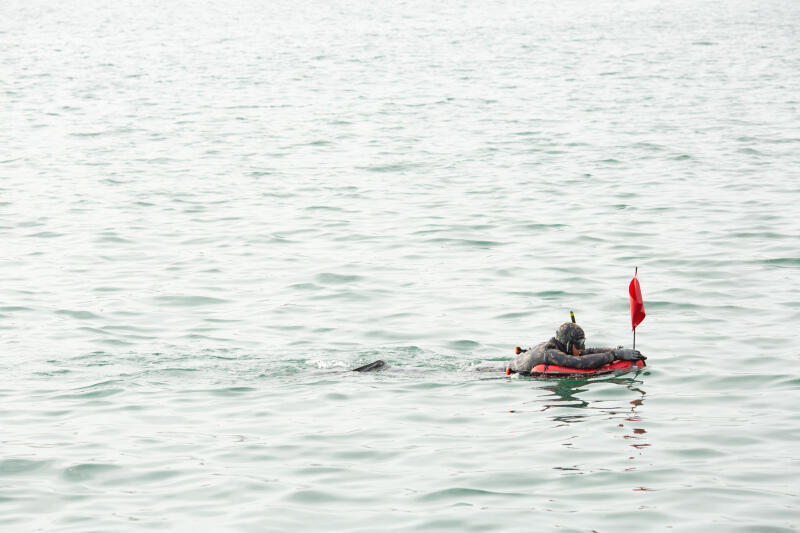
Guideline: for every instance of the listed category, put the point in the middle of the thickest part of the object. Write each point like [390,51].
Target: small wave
[112,238]
[12,308]
[549,294]
[46,235]
[515,314]
[189,301]
[20,466]
[80,315]
[305,287]
[310,496]
[782,261]
[466,242]
[650,147]
[108,289]
[395,167]
[337,279]
[114,342]
[231,391]
[87,471]
[464,344]
[460,493]
[92,394]
[749,151]
[323,208]
[536,225]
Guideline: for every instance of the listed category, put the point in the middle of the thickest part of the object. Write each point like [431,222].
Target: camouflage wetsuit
[553,352]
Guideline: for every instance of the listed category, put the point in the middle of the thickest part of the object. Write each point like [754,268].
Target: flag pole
[635,272]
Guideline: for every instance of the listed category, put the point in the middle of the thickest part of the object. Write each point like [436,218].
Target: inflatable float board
[556,371]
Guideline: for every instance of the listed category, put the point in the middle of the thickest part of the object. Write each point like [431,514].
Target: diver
[568,349]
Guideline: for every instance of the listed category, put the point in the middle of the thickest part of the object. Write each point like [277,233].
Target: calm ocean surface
[210,210]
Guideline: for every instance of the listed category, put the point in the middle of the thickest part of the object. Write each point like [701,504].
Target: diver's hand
[624,354]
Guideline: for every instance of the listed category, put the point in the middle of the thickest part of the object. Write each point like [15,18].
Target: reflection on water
[571,394]
[565,392]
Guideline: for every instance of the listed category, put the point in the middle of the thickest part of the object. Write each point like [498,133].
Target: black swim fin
[375,365]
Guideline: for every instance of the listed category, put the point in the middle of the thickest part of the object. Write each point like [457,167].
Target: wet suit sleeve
[585,362]
[589,351]
[540,355]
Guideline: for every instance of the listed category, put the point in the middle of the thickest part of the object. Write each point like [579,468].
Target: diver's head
[571,335]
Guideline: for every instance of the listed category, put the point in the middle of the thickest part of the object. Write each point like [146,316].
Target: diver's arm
[589,351]
[584,362]
[526,361]
[620,353]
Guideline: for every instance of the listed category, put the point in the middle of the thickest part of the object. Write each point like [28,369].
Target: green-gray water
[210,210]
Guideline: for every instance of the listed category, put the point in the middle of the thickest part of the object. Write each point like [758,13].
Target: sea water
[210,211]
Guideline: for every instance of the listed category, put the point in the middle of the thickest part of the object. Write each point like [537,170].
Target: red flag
[637,304]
